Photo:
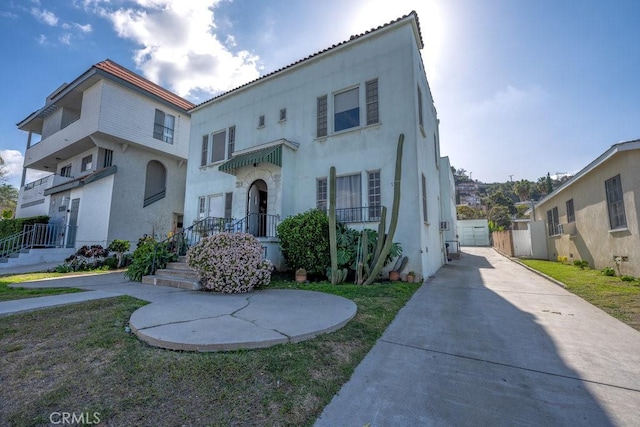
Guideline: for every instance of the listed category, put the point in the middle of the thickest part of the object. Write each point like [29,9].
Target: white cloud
[87,28]
[45,16]
[65,38]
[42,39]
[13,161]
[508,101]
[179,48]
[5,14]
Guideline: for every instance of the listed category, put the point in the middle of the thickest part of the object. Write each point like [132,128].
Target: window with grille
[571,215]
[552,222]
[615,203]
[372,102]
[231,144]
[204,158]
[321,194]
[321,125]
[375,205]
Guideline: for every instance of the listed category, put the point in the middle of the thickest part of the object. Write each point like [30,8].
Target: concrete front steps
[176,275]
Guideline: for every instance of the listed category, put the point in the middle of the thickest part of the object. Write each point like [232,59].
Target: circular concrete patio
[219,322]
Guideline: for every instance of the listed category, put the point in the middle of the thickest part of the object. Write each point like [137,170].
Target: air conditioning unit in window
[569,228]
[444,225]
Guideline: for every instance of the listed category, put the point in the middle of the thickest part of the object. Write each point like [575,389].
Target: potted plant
[301,275]
[411,277]
[394,275]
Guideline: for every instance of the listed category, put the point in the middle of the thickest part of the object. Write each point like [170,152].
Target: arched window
[155,182]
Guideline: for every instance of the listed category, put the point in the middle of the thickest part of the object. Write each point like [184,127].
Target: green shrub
[304,240]
[349,242]
[13,226]
[608,271]
[581,264]
[63,268]
[627,278]
[119,247]
[143,258]
[230,263]
[111,262]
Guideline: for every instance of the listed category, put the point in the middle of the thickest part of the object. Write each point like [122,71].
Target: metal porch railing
[38,236]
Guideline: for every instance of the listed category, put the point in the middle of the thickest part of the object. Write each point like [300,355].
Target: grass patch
[78,358]
[8,293]
[619,298]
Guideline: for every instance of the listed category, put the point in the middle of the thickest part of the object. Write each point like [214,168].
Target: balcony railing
[359,214]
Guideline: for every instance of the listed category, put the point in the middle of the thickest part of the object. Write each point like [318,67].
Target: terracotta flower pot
[301,278]
[410,278]
[394,276]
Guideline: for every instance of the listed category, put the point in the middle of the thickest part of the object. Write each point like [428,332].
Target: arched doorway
[155,182]
[257,208]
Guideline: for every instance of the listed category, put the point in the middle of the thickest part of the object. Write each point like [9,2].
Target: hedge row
[13,226]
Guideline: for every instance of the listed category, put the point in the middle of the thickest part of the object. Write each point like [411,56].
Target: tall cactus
[378,262]
[333,244]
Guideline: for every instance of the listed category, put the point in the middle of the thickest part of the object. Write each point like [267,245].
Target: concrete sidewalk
[488,342]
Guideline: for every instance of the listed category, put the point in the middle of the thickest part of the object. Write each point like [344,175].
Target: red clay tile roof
[352,38]
[129,76]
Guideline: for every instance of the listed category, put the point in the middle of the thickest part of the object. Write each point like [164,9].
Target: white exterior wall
[93,212]
[448,204]
[129,115]
[389,55]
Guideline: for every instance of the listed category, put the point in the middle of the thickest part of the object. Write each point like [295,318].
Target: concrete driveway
[488,342]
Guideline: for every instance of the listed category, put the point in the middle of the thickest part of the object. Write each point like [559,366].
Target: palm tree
[523,189]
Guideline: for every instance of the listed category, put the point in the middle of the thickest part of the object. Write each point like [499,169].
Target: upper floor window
[420,115]
[283,114]
[87,163]
[218,146]
[346,106]
[321,194]
[231,144]
[615,203]
[108,158]
[204,157]
[65,171]
[552,222]
[571,214]
[163,126]
[321,125]
[372,102]
[201,207]
[261,121]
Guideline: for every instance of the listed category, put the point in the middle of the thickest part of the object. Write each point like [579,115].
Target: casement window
[321,125]
[163,126]
[425,215]
[552,222]
[349,198]
[87,163]
[108,158]
[321,194]
[615,203]
[204,158]
[571,214]
[420,114]
[218,142]
[371,88]
[66,171]
[231,144]
[228,205]
[346,107]
[261,121]
[201,207]
[375,202]
[283,114]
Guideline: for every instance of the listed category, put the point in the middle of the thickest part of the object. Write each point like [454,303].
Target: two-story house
[262,152]
[116,146]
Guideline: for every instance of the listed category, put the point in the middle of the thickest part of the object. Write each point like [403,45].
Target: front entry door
[257,209]
[73,223]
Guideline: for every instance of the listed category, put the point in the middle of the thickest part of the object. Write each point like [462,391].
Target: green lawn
[10,293]
[618,298]
[78,358]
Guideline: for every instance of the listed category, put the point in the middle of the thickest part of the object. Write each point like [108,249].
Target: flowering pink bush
[230,263]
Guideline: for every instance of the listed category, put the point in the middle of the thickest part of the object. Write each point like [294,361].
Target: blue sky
[522,87]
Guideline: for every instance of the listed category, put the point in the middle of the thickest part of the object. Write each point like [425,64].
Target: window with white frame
[87,163]
[321,122]
[204,158]
[571,214]
[346,109]
[349,198]
[163,126]
[371,89]
[375,201]
[218,141]
[201,207]
[283,114]
[425,212]
[553,222]
[321,194]
[615,203]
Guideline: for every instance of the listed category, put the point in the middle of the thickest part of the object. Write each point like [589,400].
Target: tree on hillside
[500,217]
[499,199]
[523,189]
[8,200]
[468,212]
[2,171]
[460,175]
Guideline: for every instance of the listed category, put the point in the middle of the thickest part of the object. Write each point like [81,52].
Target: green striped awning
[271,155]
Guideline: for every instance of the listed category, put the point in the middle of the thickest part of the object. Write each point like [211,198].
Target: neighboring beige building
[594,215]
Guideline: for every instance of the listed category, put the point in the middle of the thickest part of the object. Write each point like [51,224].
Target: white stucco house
[262,152]
[116,146]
